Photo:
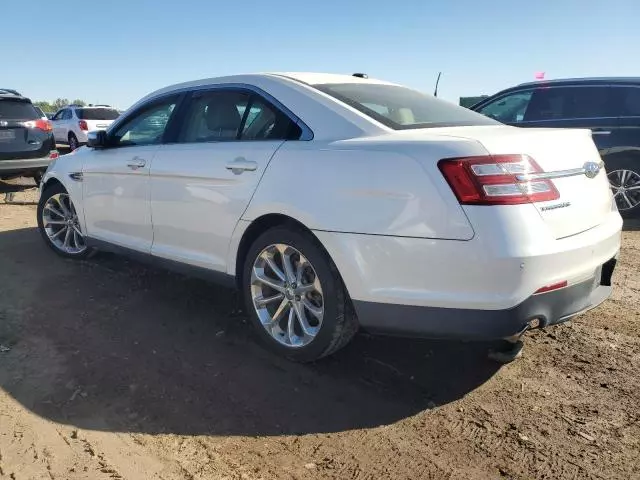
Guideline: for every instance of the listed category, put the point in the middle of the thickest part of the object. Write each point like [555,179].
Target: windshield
[97,113]
[401,108]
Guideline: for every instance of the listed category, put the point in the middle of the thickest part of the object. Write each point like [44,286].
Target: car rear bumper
[538,311]
[11,167]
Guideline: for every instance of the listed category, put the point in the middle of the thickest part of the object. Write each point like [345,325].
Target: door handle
[136,163]
[240,165]
[601,132]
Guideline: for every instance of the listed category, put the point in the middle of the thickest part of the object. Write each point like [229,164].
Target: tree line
[57,104]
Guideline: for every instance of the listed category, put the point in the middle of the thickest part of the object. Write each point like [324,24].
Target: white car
[336,202]
[72,123]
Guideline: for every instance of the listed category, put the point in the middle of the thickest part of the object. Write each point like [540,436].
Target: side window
[58,115]
[510,108]
[145,127]
[265,122]
[630,101]
[560,103]
[218,116]
[214,116]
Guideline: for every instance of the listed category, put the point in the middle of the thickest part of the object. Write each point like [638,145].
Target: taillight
[493,180]
[44,125]
[53,155]
[83,125]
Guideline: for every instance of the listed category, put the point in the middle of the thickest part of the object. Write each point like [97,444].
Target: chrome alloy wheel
[60,223]
[287,295]
[625,185]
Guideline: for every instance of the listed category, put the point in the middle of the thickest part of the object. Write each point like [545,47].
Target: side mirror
[97,139]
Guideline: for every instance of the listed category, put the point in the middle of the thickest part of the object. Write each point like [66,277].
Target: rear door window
[629,101]
[566,103]
[17,110]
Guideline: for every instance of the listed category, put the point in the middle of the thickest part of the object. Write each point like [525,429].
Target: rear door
[19,139]
[202,183]
[589,106]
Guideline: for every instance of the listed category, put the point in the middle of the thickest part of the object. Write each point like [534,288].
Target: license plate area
[7,135]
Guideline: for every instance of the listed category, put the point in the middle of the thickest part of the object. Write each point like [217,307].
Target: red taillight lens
[44,125]
[492,180]
[83,125]
[53,155]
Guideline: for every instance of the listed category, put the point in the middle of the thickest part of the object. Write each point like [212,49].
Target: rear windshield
[401,108]
[17,110]
[97,113]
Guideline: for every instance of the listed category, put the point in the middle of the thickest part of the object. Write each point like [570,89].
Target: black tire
[37,177]
[339,322]
[46,195]
[629,164]
[73,142]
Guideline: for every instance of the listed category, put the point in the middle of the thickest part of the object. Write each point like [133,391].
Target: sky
[116,51]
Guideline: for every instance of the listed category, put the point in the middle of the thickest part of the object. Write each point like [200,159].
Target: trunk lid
[584,202]
[97,118]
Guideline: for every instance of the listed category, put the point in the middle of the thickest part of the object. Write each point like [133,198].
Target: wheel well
[51,182]
[257,228]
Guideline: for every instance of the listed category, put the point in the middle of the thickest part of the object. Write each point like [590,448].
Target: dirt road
[112,370]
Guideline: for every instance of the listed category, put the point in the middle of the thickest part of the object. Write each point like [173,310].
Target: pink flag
[539,75]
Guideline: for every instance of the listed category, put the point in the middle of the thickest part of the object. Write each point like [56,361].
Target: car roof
[310,78]
[583,81]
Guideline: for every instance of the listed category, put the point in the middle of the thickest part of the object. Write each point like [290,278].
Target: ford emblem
[591,169]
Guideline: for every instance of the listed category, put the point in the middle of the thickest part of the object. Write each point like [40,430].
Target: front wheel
[73,142]
[58,223]
[295,296]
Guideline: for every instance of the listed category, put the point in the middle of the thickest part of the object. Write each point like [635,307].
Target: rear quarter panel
[375,188]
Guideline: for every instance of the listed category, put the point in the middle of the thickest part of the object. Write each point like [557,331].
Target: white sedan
[335,202]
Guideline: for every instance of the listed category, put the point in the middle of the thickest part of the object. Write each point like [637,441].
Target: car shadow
[111,344]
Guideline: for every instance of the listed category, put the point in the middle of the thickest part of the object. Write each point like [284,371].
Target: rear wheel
[295,296]
[624,178]
[73,142]
[58,223]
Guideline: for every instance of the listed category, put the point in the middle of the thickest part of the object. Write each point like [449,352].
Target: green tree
[77,101]
[59,103]
[45,106]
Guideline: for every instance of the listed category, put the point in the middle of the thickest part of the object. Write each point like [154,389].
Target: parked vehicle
[26,140]
[336,202]
[72,123]
[609,107]
[41,113]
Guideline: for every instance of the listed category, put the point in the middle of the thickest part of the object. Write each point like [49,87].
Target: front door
[116,179]
[202,184]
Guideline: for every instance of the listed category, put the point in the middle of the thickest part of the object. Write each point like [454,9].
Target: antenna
[435,92]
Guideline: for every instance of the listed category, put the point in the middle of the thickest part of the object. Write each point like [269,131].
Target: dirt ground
[113,370]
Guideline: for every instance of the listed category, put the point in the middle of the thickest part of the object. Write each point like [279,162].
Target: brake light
[53,155]
[44,125]
[83,125]
[493,180]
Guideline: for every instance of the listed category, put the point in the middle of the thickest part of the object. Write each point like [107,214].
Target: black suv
[609,107]
[27,145]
